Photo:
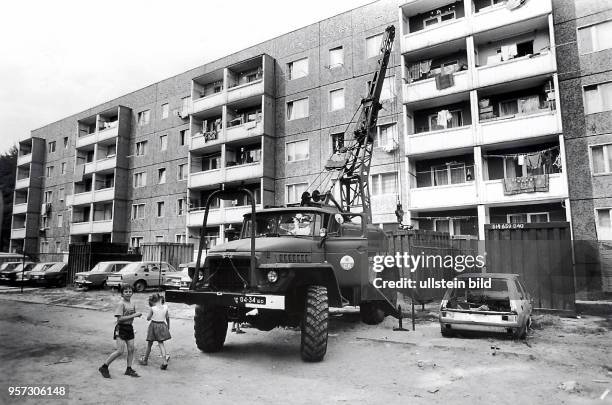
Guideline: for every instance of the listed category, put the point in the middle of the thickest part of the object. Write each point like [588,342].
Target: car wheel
[314,324]
[447,333]
[140,286]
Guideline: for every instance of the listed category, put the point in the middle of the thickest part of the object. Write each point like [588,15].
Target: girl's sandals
[143,361]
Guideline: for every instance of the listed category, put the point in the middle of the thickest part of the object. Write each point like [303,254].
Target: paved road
[50,344]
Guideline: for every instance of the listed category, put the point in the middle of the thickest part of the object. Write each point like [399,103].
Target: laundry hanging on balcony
[444,80]
[418,69]
[526,184]
[444,116]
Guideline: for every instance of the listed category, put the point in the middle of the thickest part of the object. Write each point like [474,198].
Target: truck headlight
[272,276]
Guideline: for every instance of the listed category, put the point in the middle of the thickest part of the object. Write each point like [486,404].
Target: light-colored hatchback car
[141,275]
[503,306]
[96,277]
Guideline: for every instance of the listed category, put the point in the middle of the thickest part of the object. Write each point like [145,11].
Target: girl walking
[125,313]
[159,329]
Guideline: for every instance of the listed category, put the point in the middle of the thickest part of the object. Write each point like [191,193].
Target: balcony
[206,179]
[23,160]
[80,228]
[426,89]
[519,127]
[244,131]
[500,15]
[22,183]
[452,138]
[19,233]
[20,208]
[219,216]
[245,91]
[88,197]
[100,165]
[209,102]
[443,196]
[105,194]
[98,136]
[493,192]
[202,141]
[225,174]
[514,69]
[243,172]
[435,35]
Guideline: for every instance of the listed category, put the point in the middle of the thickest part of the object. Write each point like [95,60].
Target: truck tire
[315,324]
[371,313]
[210,328]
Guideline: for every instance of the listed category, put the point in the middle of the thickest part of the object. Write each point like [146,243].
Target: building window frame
[161,175]
[141,148]
[529,216]
[338,50]
[291,115]
[140,179]
[606,155]
[144,117]
[181,172]
[294,143]
[138,211]
[304,68]
[596,46]
[368,54]
[163,142]
[160,209]
[376,184]
[293,187]
[331,95]
[165,111]
[600,98]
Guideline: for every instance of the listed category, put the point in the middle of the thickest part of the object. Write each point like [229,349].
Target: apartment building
[140,168]
[483,129]
[584,55]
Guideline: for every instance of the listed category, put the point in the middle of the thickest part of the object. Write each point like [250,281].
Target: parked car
[182,279]
[25,276]
[9,275]
[503,306]
[96,277]
[54,275]
[141,275]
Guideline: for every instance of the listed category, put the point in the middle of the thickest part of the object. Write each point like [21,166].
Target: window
[295,191]
[60,220]
[44,222]
[159,238]
[163,142]
[180,238]
[62,193]
[185,104]
[48,197]
[531,217]
[63,167]
[181,206]
[138,211]
[144,117]
[58,247]
[388,89]
[298,150]
[212,162]
[136,241]
[297,109]
[336,99]
[298,68]
[44,247]
[65,142]
[446,16]
[602,158]
[595,37]
[141,148]
[161,175]
[182,172]
[160,209]
[140,179]
[445,119]
[49,171]
[337,142]
[165,111]
[373,45]
[51,146]
[184,134]
[384,183]
[598,98]
[336,57]
[386,137]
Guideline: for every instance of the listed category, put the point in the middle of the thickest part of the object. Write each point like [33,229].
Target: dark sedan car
[9,274]
[53,275]
[97,276]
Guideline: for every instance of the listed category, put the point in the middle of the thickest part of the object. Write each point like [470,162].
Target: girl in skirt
[159,329]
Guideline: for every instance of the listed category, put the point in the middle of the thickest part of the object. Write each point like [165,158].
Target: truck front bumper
[227,299]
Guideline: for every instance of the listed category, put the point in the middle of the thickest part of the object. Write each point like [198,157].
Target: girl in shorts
[159,329]
[125,312]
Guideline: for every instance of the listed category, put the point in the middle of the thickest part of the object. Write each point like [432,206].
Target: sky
[60,57]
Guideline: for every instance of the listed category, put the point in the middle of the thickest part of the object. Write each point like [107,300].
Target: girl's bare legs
[130,354]
[145,358]
[118,352]
[162,349]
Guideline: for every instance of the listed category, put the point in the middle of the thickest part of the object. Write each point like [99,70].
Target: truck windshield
[292,223]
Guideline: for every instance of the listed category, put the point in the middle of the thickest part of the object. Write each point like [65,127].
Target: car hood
[293,244]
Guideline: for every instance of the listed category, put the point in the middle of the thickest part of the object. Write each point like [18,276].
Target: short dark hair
[123,286]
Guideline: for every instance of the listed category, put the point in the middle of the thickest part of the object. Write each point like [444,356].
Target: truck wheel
[371,313]
[210,326]
[314,324]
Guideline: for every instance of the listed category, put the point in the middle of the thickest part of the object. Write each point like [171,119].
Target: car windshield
[9,265]
[288,223]
[42,266]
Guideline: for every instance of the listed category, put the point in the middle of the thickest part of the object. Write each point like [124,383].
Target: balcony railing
[444,196]
[435,35]
[245,91]
[519,127]
[22,183]
[80,228]
[427,88]
[23,160]
[20,208]
[18,233]
[226,174]
[499,16]
[451,138]
[494,191]
[210,101]
[514,69]
[218,216]
[99,165]
[244,131]
[98,136]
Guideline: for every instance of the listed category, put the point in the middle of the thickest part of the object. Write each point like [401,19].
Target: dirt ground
[62,336]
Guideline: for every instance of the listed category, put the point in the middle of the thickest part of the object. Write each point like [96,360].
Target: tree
[8,167]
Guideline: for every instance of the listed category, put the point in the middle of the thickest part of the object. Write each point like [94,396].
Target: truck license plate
[250,299]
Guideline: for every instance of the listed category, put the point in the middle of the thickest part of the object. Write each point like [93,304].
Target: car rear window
[495,298]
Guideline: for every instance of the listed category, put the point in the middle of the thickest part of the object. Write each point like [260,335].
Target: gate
[83,256]
[541,253]
[172,253]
